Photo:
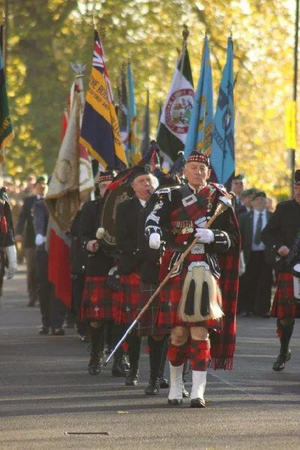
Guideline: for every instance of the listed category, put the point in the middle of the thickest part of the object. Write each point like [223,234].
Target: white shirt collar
[142,202]
[197,190]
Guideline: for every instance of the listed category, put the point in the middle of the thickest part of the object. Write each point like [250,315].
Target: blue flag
[199,135]
[132,135]
[222,156]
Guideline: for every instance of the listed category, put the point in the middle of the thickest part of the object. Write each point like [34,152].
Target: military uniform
[176,215]
[97,296]
[97,299]
[282,230]
[139,270]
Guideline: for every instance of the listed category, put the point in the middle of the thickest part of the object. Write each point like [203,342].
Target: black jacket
[151,258]
[78,256]
[126,230]
[99,263]
[25,222]
[132,243]
[282,226]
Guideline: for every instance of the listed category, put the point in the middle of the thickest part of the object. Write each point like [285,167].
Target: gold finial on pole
[102,32]
[185,33]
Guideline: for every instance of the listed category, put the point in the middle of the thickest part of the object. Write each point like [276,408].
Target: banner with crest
[176,112]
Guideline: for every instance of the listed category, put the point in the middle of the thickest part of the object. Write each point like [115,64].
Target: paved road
[46,394]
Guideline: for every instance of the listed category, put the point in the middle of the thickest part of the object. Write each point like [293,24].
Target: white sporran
[199,298]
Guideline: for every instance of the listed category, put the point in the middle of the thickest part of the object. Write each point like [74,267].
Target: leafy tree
[44,36]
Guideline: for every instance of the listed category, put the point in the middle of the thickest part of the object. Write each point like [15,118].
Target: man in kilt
[96,306]
[139,269]
[198,302]
[280,237]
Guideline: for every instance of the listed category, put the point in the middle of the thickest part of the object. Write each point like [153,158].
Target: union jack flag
[100,133]
[99,63]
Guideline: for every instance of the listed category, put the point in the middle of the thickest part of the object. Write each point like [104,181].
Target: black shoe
[175,402]
[132,378]
[266,316]
[44,330]
[31,303]
[279,364]
[185,393]
[119,370]
[164,383]
[95,364]
[84,338]
[153,386]
[197,403]
[69,325]
[58,332]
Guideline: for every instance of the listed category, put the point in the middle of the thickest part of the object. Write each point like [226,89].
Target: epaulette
[220,188]
[92,202]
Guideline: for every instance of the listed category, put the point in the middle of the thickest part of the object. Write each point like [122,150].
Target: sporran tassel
[189,304]
[204,308]
[199,297]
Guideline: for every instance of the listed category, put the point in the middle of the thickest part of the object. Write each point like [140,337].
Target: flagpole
[185,35]
[295,84]
[5,32]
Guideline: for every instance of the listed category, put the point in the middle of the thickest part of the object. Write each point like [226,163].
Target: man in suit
[246,201]
[256,283]
[25,233]
[237,187]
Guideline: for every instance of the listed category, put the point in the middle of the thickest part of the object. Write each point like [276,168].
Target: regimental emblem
[179,109]
[227,119]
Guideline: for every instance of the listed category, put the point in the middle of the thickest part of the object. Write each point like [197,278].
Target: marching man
[198,302]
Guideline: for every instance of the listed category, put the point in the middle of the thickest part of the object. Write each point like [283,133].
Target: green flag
[6,128]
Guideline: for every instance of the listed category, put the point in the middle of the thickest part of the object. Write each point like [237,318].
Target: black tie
[257,239]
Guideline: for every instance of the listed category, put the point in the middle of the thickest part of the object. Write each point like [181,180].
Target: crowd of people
[208,255]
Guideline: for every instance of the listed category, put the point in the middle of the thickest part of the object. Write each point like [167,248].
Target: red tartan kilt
[96,300]
[127,300]
[284,306]
[147,325]
[171,294]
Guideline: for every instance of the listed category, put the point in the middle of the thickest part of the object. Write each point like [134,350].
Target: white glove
[39,239]
[154,241]
[11,254]
[205,235]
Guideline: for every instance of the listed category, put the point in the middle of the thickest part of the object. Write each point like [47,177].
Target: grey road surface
[49,401]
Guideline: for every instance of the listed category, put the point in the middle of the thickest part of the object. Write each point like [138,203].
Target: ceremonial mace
[224,203]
